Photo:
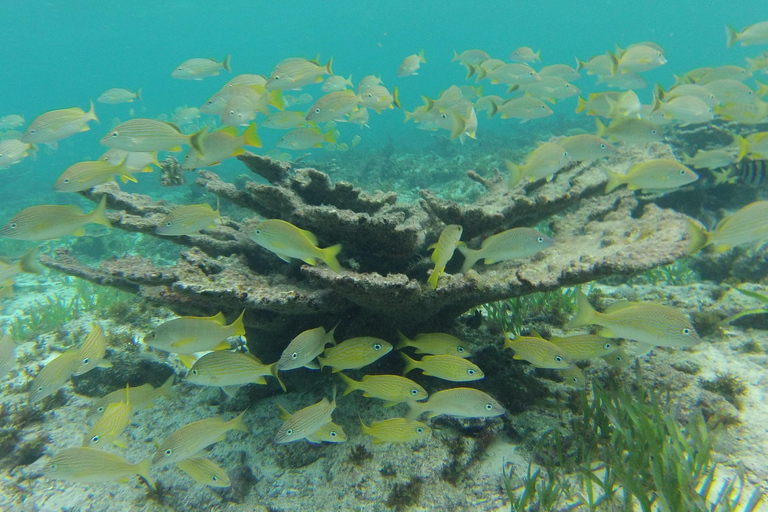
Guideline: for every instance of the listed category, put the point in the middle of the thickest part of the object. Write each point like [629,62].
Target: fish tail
[329,335]
[614,62]
[225,63]
[494,109]
[743,147]
[365,429]
[138,94]
[273,371]
[328,68]
[580,64]
[614,180]
[329,137]
[28,263]
[433,277]
[196,140]
[658,92]
[322,361]
[142,469]
[421,57]
[581,106]
[481,72]
[470,257]
[410,364]
[396,97]
[601,128]
[92,113]
[415,409]
[237,325]
[516,173]
[698,236]
[250,137]
[585,313]
[167,391]
[276,99]
[351,384]
[408,116]
[329,257]
[237,423]
[403,341]
[97,215]
[731,35]
[459,125]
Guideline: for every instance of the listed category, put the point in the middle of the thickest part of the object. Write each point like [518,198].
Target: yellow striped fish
[189,220]
[459,402]
[306,421]
[304,348]
[539,352]
[619,359]
[748,226]
[147,135]
[296,72]
[112,423]
[58,124]
[54,375]
[583,347]
[328,433]
[86,175]
[573,376]
[287,242]
[354,353]
[92,466]
[204,471]
[7,354]
[393,389]
[91,352]
[231,370]
[27,264]
[443,251]
[46,222]
[396,430]
[190,334]
[443,366]
[190,439]
[434,343]
[141,397]
[197,69]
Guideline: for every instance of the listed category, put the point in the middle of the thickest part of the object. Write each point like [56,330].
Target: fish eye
[317,110]
[12,225]
[169,223]
[565,153]
[653,132]
[168,452]
[686,331]
[258,231]
[602,146]
[289,432]
[420,430]
[682,172]
[66,180]
[460,349]
[194,372]
[414,392]
[489,407]
[619,358]
[114,134]
[540,239]
[100,409]
[231,112]
[377,346]
[179,69]
[295,355]
[277,77]
[32,131]
[95,439]
[607,346]
[214,478]
[543,107]
[53,466]
[470,372]
[332,434]
[40,388]
[153,334]
[558,359]
[86,360]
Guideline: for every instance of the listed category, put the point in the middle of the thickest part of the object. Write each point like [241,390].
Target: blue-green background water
[65,53]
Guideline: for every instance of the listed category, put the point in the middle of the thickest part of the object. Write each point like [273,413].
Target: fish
[724,73]
[524,108]
[285,120]
[56,125]
[141,397]
[600,65]
[27,264]
[92,350]
[712,158]
[458,402]
[119,95]
[618,359]
[538,351]
[189,219]
[657,175]
[189,440]
[86,175]
[305,138]
[443,366]
[288,241]
[220,145]
[7,354]
[396,430]
[563,71]
[197,69]
[393,389]
[142,134]
[685,110]
[333,106]
[411,64]
[337,83]
[756,33]
[597,104]
[304,348]
[630,131]
[573,376]
[92,466]
[54,375]
[749,172]
[747,226]
[584,347]
[113,422]
[354,353]
[367,82]
[11,121]
[730,91]
[626,104]
[442,251]
[186,115]
[757,145]
[378,98]
[13,151]
[586,147]
[46,222]
[551,89]
[246,79]
[637,59]
[524,55]
[678,91]
[190,334]
[471,59]
[296,72]
[135,161]
[230,371]
[652,325]
[511,244]
[305,422]
[328,433]
[204,471]
[543,162]
[434,343]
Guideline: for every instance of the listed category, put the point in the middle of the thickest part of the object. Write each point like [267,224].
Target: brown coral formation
[385,245]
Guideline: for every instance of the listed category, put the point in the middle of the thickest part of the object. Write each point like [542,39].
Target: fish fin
[390,404]
[79,232]
[329,257]
[312,365]
[225,63]
[126,177]
[183,342]
[321,361]
[284,414]
[470,257]
[250,137]
[224,345]
[415,410]
[28,263]
[403,341]
[698,236]
[605,332]
[276,99]
[585,312]
[166,390]
[731,35]
[196,141]
[261,380]
[351,384]
[104,363]
[273,372]
[310,261]
[97,215]
[219,319]
[238,325]
[614,180]
[142,469]
[328,68]
[396,97]
[516,173]
[433,277]
[121,442]
[376,441]
[138,94]
[410,364]
[174,149]
[187,360]
[237,423]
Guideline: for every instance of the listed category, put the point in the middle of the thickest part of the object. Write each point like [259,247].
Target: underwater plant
[555,307]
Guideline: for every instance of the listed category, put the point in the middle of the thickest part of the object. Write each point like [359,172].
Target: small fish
[543,162]
[92,466]
[748,172]
[653,325]
[46,222]
[434,343]
[551,89]
[191,439]
[11,121]
[204,471]
[247,80]
[86,175]
[511,244]
[712,158]
[393,389]
[471,59]
[305,138]
[443,251]
[285,120]
[143,135]
[27,264]
[636,59]
[538,351]
[296,72]
[304,348]
[586,147]
[599,65]
[583,347]
[243,104]
[189,220]
[524,108]
[197,69]
[758,63]
[354,353]
[190,334]
[724,73]
[411,64]
[748,226]
[378,98]
[287,241]
[7,354]
[141,397]
[458,402]
[13,151]
[443,366]
[186,115]
[730,91]
[753,34]
[563,71]
[525,55]
[367,82]
[630,131]
[119,95]
[597,104]
[112,423]
[328,433]
[336,83]
[305,422]
[54,375]
[333,106]
[685,110]
[356,140]
[58,124]
[618,359]
[626,104]
[659,175]
[574,377]
[757,145]
[220,145]
[396,430]
[91,352]
[230,371]
[135,161]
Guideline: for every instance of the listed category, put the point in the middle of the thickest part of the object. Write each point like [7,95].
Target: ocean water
[61,54]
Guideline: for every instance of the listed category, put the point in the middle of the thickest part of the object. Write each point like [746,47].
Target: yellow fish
[191,439]
[54,375]
[434,343]
[304,348]
[630,130]
[305,138]
[86,175]
[446,367]
[220,145]
[230,371]
[13,151]
[748,226]
[328,433]
[585,147]
[354,353]
[458,402]
[411,64]
[204,471]
[27,264]
[511,244]
[7,354]
[583,347]
[91,352]
[287,241]
[618,359]
[46,222]
[396,430]
[135,161]
[189,220]
[443,251]
[543,162]
[337,83]
[539,352]
[197,69]
[147,135]
[393,389]
[333,106]
[296,72]
[190,334]
[753,34]
[378,98]
[119,95]
[306,421]
[659,175]
[574,377]
[141,397]
[58,124]
[285,120]
[112,423]
[91,466]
